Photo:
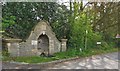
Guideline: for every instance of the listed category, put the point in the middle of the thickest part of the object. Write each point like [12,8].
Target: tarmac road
[106,61]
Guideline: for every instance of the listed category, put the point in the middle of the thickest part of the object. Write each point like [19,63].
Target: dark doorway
[43,44]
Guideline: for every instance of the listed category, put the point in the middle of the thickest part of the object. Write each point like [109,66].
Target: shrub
[5,53]
[93,38]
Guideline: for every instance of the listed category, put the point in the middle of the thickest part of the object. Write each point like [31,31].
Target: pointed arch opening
[43,44]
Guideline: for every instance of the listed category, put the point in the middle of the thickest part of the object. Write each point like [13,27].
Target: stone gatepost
[63,44]
[13,46]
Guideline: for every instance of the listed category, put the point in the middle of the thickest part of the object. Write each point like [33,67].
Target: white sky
[66,2]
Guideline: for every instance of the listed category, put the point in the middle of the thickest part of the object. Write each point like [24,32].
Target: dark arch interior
[43,43]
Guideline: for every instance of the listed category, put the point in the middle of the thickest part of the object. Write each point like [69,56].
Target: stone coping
[64,40]
[12,40]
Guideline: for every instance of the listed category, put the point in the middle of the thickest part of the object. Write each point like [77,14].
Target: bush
[5,53]
[104,45]
[93,39]
[81,31]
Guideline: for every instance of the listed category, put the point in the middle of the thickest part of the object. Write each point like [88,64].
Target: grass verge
[61,55]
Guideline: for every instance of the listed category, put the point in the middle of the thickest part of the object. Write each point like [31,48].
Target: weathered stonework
[63,43]
[41,40]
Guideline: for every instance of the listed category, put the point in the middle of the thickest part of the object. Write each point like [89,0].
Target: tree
[7,21]
[28,14]
[106,19]
[80,21]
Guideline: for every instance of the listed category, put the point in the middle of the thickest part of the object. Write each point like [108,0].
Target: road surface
[106,61]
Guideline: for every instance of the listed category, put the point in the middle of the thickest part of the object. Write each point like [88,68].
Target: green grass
[61,55]
[89,52]
[32,59]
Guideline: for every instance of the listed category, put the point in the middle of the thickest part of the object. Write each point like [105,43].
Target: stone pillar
[13,46]
[51,47]
[63,44]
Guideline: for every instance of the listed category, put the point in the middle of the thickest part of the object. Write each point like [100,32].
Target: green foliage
[79,34]
[92,40]
[32,59]
[28,14]
[61,26]
[106,45]
[5,53]
[8,21]
[106,17]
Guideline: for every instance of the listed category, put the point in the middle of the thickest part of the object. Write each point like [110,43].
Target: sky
[66,2]
[59,0]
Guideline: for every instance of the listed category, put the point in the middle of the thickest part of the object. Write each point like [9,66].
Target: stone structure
[41,40]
